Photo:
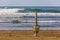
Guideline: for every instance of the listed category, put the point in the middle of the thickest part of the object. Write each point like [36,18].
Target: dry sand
[28,35]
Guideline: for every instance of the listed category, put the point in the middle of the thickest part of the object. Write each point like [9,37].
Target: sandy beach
[28,35]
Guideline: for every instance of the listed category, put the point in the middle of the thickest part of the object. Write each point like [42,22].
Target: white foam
[14,13]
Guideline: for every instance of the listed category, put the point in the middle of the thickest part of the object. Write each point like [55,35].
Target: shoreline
[29,28]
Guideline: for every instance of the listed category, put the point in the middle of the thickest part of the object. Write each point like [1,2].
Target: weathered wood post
[36,27]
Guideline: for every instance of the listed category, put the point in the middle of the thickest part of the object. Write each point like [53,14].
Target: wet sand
[28,35]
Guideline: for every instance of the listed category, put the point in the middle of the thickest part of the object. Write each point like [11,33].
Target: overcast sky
[29,2]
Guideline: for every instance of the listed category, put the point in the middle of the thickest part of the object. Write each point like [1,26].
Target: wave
[9,14]
[27,21]
[14,13]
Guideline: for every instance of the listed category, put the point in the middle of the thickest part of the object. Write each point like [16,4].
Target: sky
[29,2]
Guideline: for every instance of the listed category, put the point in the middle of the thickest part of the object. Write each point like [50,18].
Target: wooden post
[36,27]
[36,18]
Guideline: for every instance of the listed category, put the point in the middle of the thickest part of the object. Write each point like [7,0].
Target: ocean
[48,18]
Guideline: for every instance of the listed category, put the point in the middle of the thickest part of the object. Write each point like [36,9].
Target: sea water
[47,21]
